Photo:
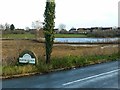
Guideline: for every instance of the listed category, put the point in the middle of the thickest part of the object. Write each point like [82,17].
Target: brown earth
[11,50]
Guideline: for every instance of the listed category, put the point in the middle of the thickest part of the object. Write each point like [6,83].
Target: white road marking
[90,77]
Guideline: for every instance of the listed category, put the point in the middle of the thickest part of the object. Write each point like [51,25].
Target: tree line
[7,27]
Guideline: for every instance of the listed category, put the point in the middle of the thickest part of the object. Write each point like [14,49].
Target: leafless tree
[7,26]
[27,28]
[2,27]
[62,27]
[37,24]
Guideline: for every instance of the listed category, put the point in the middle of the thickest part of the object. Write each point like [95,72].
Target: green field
[18,36]
[32,36]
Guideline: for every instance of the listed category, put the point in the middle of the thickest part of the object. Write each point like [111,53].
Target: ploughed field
[11,50]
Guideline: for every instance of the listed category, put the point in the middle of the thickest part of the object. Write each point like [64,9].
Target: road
[103,75]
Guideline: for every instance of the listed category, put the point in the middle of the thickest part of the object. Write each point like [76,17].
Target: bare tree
[33,25]
[7,26]
[2,27]
[62,27]
[37,25]
[27,28]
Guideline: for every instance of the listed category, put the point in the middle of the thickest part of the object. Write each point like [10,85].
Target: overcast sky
[72,13]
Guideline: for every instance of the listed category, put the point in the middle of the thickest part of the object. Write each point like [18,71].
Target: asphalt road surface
[103,75]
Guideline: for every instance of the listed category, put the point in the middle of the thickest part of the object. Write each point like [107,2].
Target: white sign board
[27,59]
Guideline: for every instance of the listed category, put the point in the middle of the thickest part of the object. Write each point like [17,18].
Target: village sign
[27,57]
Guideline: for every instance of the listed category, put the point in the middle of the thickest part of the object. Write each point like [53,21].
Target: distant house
[106,28]
[32,29]
[114,28]
[118,28]
[63,31]
[20,29]
[94,28]
[73,30]
[56,31]
[83,30]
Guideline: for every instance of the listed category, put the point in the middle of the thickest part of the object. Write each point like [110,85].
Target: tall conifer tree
[49,16]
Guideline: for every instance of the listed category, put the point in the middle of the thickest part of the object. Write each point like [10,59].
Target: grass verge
[57,63]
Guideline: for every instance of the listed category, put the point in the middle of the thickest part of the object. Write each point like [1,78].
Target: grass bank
[66,62]
[70,36]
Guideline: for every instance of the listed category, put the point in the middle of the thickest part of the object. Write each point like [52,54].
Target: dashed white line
[68,83]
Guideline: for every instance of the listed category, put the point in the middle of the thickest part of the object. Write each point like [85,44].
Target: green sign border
[27,52]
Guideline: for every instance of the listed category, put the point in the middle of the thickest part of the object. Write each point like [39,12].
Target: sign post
[27,57]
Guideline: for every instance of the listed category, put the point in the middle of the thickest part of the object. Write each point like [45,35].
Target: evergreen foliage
[49,16]
[12,27]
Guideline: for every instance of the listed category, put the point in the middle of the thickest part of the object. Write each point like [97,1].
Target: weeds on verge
[58,63]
